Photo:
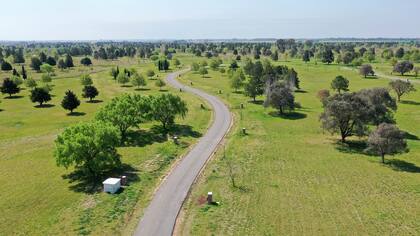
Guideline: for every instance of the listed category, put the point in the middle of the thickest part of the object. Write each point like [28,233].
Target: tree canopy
[165,107]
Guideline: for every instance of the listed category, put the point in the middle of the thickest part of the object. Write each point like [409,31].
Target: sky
[211,19]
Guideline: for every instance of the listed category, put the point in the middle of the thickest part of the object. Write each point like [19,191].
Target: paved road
[160,216]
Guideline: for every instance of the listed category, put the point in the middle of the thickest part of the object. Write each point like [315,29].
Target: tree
[36,64]
[114,72]
[399,53]
[124,112]
[40,95]
[68,61]
[86,80]
[176,62]
[366,70]
[51,61]
[327,56]
[195,66]
[281,97]
[9,87]
[150,73]
[345,114]
[70,101]
[30,83]
[166,107]
[306,56]
[45,78]
[323,94]
[237,80]
[160,83]
[138,80]
[42,57]
[403,67]
[6,66]
[90,92]
[387,139]
[47,68]
[90,147]
[17,80]
[123,78]
[340,84]
[203,71]
[380,105]
[61,64]
[275,56]
[254,87]
[214,64]
[23,72]
[86,61]
[401,87]
[18,56]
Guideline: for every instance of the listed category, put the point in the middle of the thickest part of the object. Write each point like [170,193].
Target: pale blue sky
[196,19]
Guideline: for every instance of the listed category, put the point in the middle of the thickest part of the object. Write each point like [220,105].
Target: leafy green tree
[345,114]
[400,53]
[23,72]
[366,70]
[51,61]
[123,78]
[61,64]
[90,92]
[30,83]
[380,105]
[47,68]
[86,61]
[45,78]
[275,56]
[306,57]
[126,111]
[237,80]
[17,80]
[327,56]
[68,61]
[401,87]
[281,97]
[90,147]
[114,72]
[9,87]
[137,80]
[150,73]
[40,95]
[203,71]
[387,139]
[18,56]
[160,83]
[177,63]
[36,64]
[254,87]
[195,66]
[70,101]
[403,67]
[42,57]
[6,66]
[166,107]
[340,84]
[86,80]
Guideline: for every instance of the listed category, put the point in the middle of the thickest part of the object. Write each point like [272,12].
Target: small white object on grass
[112,185]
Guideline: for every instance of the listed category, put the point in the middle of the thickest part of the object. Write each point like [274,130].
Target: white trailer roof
[111,181]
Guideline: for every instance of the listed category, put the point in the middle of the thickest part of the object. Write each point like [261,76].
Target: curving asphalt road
[160,216]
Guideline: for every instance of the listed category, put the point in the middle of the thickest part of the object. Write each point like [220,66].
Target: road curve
[160,216]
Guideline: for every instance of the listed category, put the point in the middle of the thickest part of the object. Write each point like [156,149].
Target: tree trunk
[383,158]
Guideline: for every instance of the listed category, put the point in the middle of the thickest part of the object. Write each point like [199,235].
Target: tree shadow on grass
[411,136]
[45,106]
[300,91]
[14,97]
[410,102]
[257,102]
[94,101]
[141,138]
[400,165]
[370,77]
[184,131]
[142,89]
[163,90]
[75,113]
[352,147]
[90,185]
[289,116]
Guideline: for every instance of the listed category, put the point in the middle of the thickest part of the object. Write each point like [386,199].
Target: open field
[40,198]
[295,179]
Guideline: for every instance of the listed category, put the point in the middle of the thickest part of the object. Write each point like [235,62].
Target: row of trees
[91,146]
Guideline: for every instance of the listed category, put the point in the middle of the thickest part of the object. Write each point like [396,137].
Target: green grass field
[295,179]
[39,198]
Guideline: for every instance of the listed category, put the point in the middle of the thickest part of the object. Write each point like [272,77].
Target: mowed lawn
[39,198]
[295,179]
